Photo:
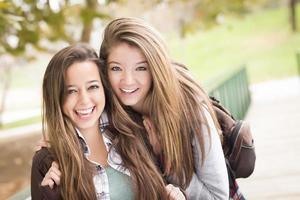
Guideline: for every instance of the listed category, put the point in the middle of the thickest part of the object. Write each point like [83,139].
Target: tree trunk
[86,32]
[91,5]
[293,21]
[6,83]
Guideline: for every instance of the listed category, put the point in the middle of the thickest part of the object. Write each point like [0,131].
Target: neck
[90,132]
[139,109]
[95,142]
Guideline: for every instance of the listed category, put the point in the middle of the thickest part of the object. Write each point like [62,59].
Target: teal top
[119,185]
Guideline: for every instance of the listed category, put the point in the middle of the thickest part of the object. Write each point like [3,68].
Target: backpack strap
[215,102]
[235,133]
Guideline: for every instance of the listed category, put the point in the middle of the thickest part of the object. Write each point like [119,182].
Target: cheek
[148,81]
[68,106]
[113,80]
[65,108]
[101,97]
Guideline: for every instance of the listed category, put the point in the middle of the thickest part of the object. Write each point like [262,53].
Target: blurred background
[214,38]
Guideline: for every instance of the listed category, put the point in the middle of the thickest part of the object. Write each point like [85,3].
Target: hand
[41,143]
[52,176]
[174,193]
[152,135]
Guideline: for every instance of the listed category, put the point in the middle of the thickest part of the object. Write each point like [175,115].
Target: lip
[128,91]
[85,112]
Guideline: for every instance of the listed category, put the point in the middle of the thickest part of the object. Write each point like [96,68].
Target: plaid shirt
[235,193]
[114,160]
[234,189]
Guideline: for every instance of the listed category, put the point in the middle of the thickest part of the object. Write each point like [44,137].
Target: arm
[41,162]
[210,180]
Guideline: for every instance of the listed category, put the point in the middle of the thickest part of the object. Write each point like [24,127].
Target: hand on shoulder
[53,176]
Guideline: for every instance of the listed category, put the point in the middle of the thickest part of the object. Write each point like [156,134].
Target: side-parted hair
[175,102]
[77,171]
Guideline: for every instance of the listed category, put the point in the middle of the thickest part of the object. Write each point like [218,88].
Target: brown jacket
[41,163]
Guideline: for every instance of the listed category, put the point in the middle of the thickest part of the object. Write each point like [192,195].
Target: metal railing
[232,90]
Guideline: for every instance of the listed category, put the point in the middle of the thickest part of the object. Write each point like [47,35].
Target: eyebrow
[93,81]
[114,62]
[89,82]
[142,62]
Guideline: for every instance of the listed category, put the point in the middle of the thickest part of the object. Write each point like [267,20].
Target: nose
[128,77]
[83,97]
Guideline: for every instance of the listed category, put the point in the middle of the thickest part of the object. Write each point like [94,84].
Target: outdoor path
[274,116]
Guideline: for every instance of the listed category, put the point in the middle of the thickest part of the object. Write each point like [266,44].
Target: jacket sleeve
[210,180]
[41,163]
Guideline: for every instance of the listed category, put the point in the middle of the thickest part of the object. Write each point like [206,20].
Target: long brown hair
[175,103]
[77,172]
[129,140]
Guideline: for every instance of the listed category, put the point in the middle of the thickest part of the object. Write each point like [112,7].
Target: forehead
[123,51]
[85,70]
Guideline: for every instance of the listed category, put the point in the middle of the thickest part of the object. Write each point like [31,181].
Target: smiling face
[129,75]
[84,99]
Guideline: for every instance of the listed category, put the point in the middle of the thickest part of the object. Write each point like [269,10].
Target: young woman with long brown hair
[86,160]
[176,112]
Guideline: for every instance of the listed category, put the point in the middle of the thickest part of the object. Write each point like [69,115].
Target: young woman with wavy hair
[175,110]
[86,161]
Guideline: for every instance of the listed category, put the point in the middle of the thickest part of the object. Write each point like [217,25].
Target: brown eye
[93,87]
[71,91]
[141,68]
[115,68]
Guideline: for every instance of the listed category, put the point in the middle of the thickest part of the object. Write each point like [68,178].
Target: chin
[129,104]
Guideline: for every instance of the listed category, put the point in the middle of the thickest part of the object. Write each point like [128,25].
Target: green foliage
[9,21]
[28,21]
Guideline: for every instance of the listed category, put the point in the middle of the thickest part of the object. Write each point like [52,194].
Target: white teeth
[85,111]
[128,90]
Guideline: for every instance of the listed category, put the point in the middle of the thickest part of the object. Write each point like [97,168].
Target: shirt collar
[86,149]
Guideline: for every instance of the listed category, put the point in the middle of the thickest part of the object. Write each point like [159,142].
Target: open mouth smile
[85,112]
[128,90]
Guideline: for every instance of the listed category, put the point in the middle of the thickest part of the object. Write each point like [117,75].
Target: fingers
[52,177]
[41,143]
[47,182]
[174,193]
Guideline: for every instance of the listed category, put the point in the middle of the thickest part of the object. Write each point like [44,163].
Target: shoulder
[211,139]
[209,126]
[41,163]
[42,160]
